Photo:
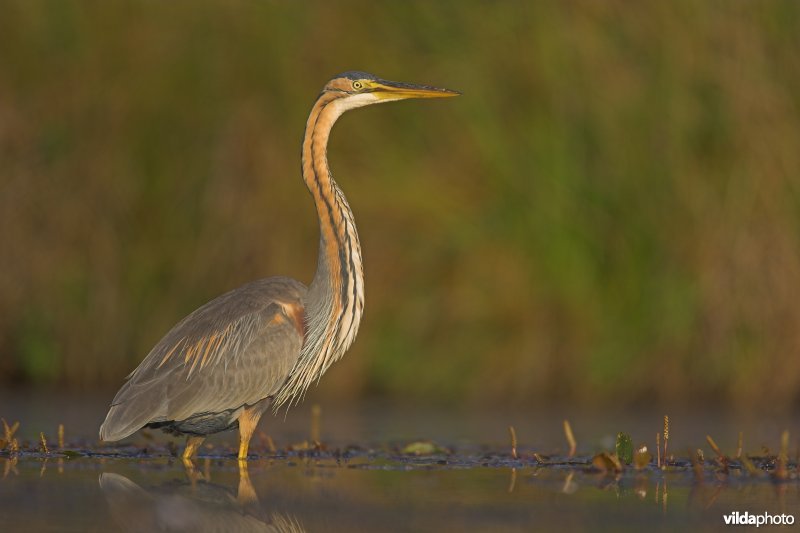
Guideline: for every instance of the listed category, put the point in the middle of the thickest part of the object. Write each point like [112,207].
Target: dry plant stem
[666,438]
[749,466]
[61,436]
[785,444]
[658,450]
[739,446]
[573,446]
[781,472]
[44,442]
[714,447]
[9,431]
[513,441]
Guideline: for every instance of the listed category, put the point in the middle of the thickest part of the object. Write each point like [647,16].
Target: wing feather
[235,350]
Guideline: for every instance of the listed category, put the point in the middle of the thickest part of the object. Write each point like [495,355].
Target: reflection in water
[379,493]
[191,505]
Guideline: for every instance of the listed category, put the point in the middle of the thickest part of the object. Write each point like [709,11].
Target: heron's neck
[335,298]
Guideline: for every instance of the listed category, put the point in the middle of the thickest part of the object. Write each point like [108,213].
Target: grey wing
[233,351]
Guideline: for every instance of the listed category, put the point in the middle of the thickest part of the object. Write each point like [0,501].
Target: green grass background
[609,215]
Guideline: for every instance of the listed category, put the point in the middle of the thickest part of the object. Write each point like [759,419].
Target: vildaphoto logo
[764,519]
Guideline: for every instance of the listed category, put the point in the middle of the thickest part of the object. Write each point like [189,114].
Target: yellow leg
[192,443]
[248,421]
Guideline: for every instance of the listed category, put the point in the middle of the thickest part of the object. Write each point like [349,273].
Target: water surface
[359,479]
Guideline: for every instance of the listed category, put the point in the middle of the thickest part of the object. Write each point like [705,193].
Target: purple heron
[264,343]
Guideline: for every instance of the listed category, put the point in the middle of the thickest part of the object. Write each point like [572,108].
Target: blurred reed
[610,213]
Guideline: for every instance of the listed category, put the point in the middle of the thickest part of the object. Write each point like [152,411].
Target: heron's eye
[357,85]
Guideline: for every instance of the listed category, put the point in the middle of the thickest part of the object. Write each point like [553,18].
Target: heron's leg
[248,421]
[192,443]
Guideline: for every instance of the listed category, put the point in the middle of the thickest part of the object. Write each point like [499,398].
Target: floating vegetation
[426,454]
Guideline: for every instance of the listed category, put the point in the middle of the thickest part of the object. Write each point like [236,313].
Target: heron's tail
[122,421]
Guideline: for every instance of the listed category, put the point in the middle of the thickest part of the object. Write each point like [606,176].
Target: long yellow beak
[395,90]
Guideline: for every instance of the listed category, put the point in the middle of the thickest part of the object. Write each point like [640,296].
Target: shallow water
[361,480]
[307,494]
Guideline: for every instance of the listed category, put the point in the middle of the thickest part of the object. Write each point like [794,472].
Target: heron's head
[358,89]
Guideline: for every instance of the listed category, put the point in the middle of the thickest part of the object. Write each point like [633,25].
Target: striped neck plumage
[335,298]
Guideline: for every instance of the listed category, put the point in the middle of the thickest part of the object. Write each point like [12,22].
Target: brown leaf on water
[606,462]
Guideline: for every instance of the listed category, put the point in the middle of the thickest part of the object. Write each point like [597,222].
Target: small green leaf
[70,454]
[421,448]
[624,448]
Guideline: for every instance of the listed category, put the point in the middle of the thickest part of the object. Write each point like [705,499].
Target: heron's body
[264,343]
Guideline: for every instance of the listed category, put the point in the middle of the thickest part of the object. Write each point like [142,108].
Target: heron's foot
[192,444]
[243,447]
